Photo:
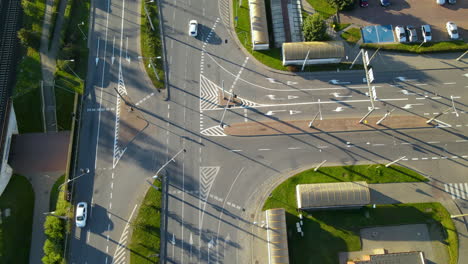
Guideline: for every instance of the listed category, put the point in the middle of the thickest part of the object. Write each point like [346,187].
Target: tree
[53,228]
[314,28]
[29,38]
[342,4]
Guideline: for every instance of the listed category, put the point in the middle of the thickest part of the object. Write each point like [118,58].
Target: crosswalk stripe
[451,190]
[463,192]
[457,191]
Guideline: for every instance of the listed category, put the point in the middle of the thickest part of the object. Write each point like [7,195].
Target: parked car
[426,33]
[193,28]
[363,3]
[452,30]
[452,2]
[81,214]
[384,2]
[400,34]
[440,2]
[412,34]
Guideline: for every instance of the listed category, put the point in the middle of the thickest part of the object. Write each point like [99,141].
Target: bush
[52,252]
[314,28]
[53,228]
[292,68]
[29,38]
[342,4]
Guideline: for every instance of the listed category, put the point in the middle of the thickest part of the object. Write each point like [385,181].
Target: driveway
[412,12]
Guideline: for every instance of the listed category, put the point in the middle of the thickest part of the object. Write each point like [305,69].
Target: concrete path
[41,158]
[48,62]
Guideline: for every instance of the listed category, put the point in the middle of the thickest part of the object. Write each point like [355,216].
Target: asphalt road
[211,183]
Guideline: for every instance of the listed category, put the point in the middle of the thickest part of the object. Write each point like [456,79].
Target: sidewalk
[280,127]
[48,63]
[389,193]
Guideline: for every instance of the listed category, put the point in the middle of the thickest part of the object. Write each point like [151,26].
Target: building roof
[316,50]
[258,22]
[277,236]
[338,194]
[413,257]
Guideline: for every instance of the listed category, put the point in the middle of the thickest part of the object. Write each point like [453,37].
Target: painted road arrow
[338,82]
[272,112]
[293,112]
[338,109]
[338,95]
[408,106]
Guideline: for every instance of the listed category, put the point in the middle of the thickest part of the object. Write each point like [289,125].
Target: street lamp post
[72,60]
[82,24]
[83,173]
[169,161]
[58,216]
[151,65]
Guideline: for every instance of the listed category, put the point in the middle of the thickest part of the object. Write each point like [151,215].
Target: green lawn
[326,233]
[70,76]
[144,244]
[323,7]
[151,46]
[272,57]
[54,192]
[285,195]
[15,230]
[352,35]
[443,46]
[339,27]
[332,231]
[26,95]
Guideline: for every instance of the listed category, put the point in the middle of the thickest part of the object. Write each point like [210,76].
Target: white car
[440,2]
[81,214]
[426,33]
[452,30]
[400,34]
[193,28]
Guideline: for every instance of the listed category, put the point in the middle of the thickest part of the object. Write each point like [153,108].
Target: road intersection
[209,186]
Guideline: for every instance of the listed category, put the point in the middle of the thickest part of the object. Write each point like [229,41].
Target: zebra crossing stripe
[465,193]
[457,190]
[451,190]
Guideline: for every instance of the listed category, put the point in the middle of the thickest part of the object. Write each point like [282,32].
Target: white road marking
[461,140]
[420,98]
[377,145]
[436,97]
[236,150]
[245,115]
[295,148]
[449,83]
[433,142]
[263,149]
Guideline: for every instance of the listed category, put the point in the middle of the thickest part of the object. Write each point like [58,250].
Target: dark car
[363,3]
[384,2]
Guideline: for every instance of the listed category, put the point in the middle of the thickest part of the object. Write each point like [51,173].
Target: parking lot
[412,12]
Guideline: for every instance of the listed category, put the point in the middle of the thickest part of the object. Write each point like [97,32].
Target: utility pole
[453,105]
[83,173]
[306,58]
[463,55]
[385,116]
[320,165]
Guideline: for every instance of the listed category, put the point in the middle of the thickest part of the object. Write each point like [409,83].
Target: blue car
[384,2]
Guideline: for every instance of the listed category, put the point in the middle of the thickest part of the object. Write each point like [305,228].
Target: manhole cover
[208,65]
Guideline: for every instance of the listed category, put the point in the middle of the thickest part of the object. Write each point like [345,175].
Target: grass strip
[54,192]
[284,196]
[352,35]
[70,75]
[323,7]
[27,94]
[15,230]
[144,244]
[429,47]
[340,26]
[151,46]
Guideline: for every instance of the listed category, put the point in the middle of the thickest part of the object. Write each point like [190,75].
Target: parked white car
[400,34]
[440,2]
[426,33]
[193,28]
[81,214]
[452,30]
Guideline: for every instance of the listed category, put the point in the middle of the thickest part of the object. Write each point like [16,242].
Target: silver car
[412,34]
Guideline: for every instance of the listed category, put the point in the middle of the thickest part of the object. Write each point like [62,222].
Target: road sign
[374,93]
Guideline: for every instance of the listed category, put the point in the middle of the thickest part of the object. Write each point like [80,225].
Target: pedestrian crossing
[457,190]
